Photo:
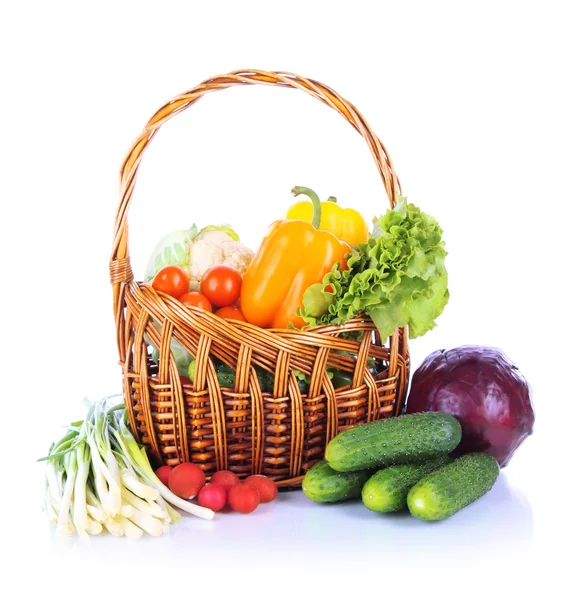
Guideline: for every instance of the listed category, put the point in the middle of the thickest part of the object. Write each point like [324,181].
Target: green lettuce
[397,278]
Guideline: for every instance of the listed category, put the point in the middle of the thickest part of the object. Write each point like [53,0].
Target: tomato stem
[317,209]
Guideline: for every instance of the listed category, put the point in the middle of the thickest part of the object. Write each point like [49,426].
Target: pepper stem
[316,207]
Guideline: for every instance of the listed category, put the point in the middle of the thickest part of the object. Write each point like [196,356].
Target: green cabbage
[182,357]
[397,278]
[172,249]
[227,229]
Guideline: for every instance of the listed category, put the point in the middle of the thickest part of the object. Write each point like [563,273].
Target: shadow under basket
[289,392]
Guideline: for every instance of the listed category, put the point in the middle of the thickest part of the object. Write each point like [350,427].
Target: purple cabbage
[484,390]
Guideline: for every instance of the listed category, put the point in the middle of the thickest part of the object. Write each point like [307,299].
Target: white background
[469,100]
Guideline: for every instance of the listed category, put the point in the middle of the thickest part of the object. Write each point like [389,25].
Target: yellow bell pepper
[292,256]
[346,224]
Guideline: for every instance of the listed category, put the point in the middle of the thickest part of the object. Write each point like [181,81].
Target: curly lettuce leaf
[397,278]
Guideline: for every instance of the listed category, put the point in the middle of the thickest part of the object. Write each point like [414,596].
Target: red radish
[212,496]
[243,498]
[186,480]
[225,478]
[163,473]
[266,488]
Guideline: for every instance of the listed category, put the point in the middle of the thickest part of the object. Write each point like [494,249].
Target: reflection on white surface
[295,533]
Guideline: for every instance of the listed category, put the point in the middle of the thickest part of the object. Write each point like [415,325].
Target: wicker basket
[279,434]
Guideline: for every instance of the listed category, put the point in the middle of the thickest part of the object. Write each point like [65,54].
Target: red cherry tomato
[186,480]
[243,498]
[230,312]
[266,488]
[171,280]
[221,284]
[226,479]
[212,496]
[163,474]
[196,299]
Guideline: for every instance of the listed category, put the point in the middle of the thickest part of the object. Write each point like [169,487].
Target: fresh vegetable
[225,478]
[191,370]
[226,376]
[214,246]
[213,496]
[98,477]
[171,280]
[484,390]
[304,380]
[292,256]
[230,312]
[266,488]
[397,277]
[195,251]
[386,490]
[266,380]
[181,356]
[340,378]
[177,248]
[346,224]
[452,487]
[395,440]
[163,473]
[221,284]
[322,483]
[196,299]
[243,498]
[186,480]
[172,249]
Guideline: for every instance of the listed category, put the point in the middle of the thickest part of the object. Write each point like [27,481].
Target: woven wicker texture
[280,432]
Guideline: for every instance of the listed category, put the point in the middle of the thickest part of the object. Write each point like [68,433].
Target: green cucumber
[449,489]
[266,380]
[405,439]
[386,490]
[227,376]
[322,483]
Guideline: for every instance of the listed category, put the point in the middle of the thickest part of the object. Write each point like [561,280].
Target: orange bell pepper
[292,256]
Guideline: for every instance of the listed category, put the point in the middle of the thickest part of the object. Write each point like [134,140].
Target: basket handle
[120,268]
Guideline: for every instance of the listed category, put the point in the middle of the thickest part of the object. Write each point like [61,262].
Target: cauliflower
[196,251]
[213,247]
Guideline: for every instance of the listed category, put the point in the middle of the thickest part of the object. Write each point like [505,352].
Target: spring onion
[99,478]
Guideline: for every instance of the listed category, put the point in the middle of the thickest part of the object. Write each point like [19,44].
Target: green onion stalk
[98,478]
